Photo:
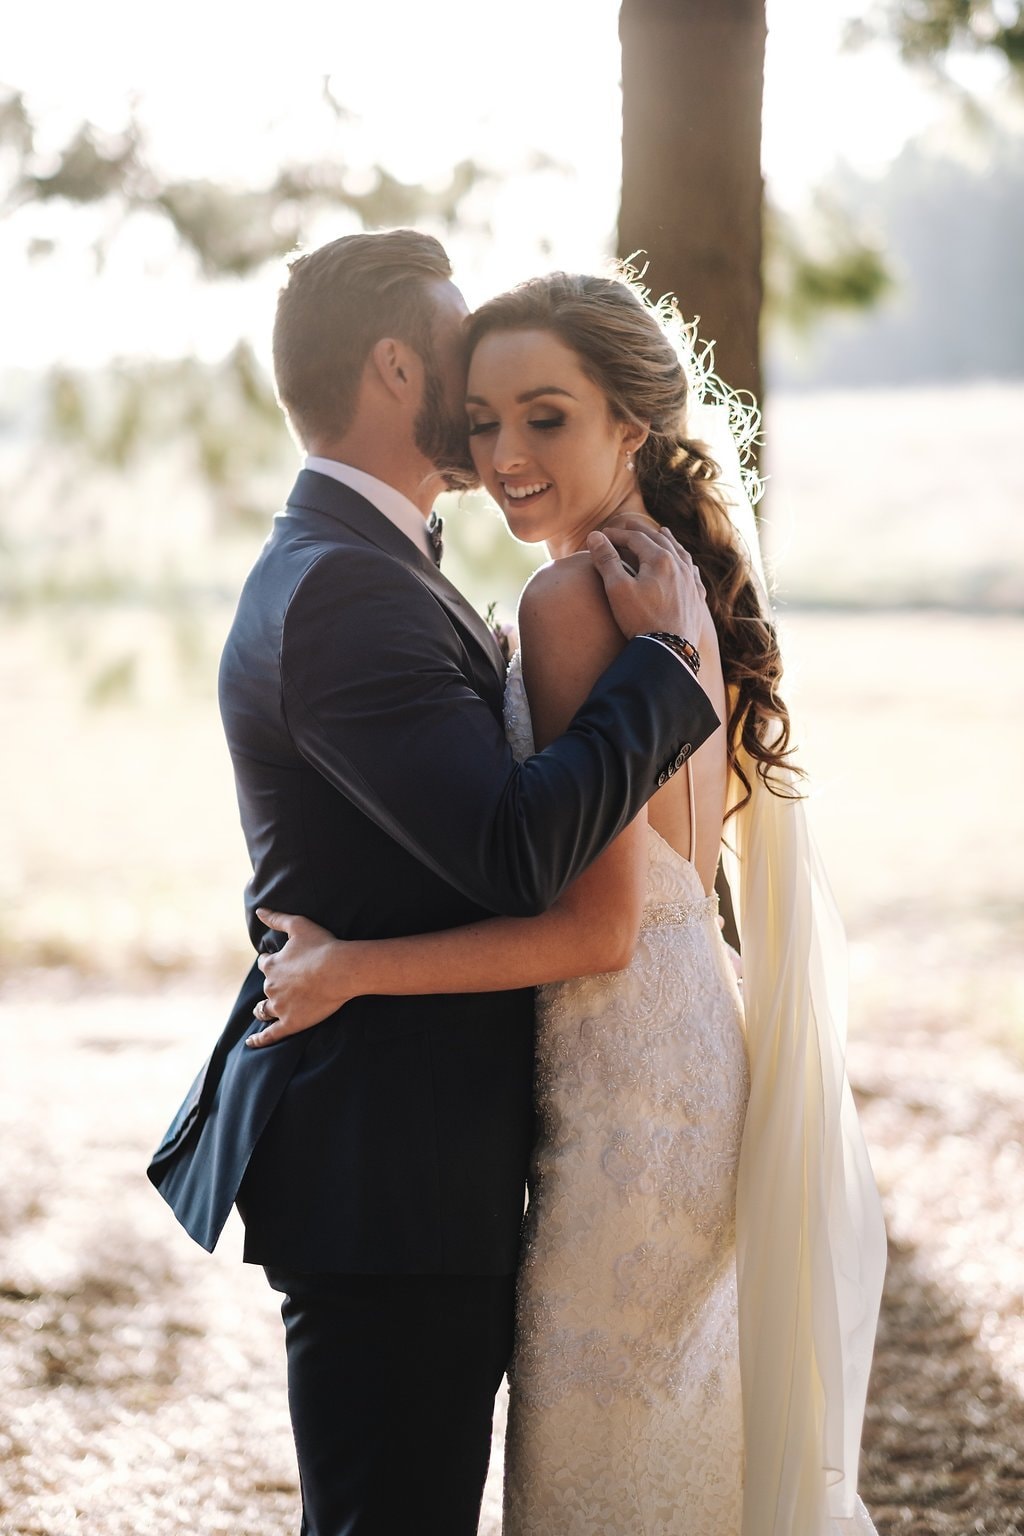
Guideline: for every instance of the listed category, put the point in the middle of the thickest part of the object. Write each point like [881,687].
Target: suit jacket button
[683,754]
[663,777]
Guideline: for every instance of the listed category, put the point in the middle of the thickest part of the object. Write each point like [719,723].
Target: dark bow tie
[435,528]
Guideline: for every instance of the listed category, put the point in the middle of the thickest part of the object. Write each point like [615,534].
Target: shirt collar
[396,507]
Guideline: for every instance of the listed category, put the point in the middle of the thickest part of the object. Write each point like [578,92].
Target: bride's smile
[521,492]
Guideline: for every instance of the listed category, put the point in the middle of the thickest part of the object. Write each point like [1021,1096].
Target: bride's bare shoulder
[568,638]
[564,601]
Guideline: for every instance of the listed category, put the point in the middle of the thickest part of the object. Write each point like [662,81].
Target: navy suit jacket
[362,701]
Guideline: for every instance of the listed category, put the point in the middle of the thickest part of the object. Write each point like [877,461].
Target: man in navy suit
[379,1160]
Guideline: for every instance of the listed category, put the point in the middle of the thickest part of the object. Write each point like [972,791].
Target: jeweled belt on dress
[678,914]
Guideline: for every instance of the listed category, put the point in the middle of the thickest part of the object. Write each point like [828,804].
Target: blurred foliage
[225,416]
[952,224]
[928,31]
[115,682]
[159,473]
[947,213]
[230,230]
[15,124]
[228,415]
[820,264]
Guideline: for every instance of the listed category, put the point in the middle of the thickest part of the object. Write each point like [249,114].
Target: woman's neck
[631,505]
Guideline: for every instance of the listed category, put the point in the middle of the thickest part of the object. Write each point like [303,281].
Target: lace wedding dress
[625,1412]
[626,1416]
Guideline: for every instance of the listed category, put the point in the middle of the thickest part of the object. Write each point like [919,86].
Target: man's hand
[663,592]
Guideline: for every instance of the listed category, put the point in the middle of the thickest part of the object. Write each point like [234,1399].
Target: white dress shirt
[398,509]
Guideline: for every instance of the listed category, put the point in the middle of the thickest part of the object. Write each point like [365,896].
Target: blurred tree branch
[928,31]
[231,231]
[226,414]
[820,265]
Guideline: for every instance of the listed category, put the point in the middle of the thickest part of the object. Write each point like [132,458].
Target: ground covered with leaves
[141,1382]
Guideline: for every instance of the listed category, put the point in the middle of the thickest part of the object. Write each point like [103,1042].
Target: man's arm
[377,700]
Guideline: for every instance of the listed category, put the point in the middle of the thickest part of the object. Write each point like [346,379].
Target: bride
[703,1250]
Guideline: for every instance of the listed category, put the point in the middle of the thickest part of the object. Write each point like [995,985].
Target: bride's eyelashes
[478,427]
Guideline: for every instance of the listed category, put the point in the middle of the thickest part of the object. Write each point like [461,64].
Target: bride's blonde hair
[637,354]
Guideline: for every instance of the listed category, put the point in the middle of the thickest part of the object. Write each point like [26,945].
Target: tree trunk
[692,84]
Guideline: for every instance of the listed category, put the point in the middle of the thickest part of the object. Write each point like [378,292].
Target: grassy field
[122,857]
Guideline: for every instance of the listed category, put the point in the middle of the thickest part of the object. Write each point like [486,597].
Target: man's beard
[441,437]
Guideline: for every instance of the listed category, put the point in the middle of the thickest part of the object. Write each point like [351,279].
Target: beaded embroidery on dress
[625,1412]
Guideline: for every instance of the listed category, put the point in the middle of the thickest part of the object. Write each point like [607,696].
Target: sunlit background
[155,167]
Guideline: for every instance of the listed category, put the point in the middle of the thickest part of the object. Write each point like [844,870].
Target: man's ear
[391,359]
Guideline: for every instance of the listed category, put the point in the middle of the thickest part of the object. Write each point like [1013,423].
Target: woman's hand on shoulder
[304,982]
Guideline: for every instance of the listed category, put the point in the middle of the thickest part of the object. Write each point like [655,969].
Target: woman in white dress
[703,1250]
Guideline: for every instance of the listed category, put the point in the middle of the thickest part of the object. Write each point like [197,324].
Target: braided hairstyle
[623,344]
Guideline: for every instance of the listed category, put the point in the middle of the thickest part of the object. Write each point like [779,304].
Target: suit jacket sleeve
[377,699]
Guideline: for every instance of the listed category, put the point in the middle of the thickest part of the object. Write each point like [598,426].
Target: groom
[379,1160]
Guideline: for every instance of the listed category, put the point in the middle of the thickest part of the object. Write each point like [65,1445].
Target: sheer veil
[810,1240]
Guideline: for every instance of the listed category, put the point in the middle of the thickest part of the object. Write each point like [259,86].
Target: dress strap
[693,811]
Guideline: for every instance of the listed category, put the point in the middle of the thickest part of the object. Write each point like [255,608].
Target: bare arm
[569,637]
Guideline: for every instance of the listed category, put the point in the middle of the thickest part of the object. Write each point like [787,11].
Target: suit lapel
[319,493]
